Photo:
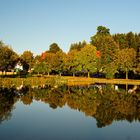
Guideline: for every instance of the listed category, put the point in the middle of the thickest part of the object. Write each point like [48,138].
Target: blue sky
[35,24]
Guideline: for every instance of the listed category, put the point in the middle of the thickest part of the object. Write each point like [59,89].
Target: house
[18,66]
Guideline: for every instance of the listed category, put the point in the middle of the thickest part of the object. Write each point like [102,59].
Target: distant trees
[129,53]
[120,39]
[106,53]
[77,46]
[129,40]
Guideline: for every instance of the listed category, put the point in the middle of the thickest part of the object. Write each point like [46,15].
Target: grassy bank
[84,80]
[57,80]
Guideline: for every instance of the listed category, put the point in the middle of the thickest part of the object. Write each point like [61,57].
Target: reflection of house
[19,66]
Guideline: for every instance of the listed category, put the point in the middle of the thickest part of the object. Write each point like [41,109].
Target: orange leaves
[98,54]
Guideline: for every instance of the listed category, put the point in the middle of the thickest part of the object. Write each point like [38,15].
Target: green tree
[101,32]
[87,59]
[8,57]
[28,58]
[77,46]
[131,41]
[137,37]
[121,40]
[54,48]
[60,62]
[108,49]
[138,60]
[42,67]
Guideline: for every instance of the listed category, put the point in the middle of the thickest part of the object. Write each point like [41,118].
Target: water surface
[70,113]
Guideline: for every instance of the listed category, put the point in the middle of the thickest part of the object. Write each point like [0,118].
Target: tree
[138,60]
[101,32]
[49,59]
[28,58]
[108,49]
[137,38]
[77,46]
[121,40]
[126,60]
[60,62]
[42,67]
[130,37]
[71,64]
[54,48]
[8,57]
[87,59]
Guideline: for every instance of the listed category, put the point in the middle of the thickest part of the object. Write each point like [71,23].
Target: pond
[97,112]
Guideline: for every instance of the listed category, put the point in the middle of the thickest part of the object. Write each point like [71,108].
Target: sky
[35,24]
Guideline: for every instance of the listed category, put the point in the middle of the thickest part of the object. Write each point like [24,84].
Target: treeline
[105,53]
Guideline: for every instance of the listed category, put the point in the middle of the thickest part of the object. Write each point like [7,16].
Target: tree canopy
[8,57]
[54,48]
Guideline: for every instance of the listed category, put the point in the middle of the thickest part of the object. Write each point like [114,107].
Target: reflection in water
[7,100]
[102,102]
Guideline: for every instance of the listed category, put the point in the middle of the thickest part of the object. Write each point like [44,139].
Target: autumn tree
[126,60]
[49,59]
[71,64]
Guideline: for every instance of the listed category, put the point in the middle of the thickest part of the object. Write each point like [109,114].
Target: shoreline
[67,80]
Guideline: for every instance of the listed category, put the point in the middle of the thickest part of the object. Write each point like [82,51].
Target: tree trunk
[73,74]
[60,74]
[48,74]
[88,74]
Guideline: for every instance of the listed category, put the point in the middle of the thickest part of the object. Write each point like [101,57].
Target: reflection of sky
[40,122]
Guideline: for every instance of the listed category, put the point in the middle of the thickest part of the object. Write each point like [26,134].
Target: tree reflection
[7,100]
[106,104]
[102,102]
